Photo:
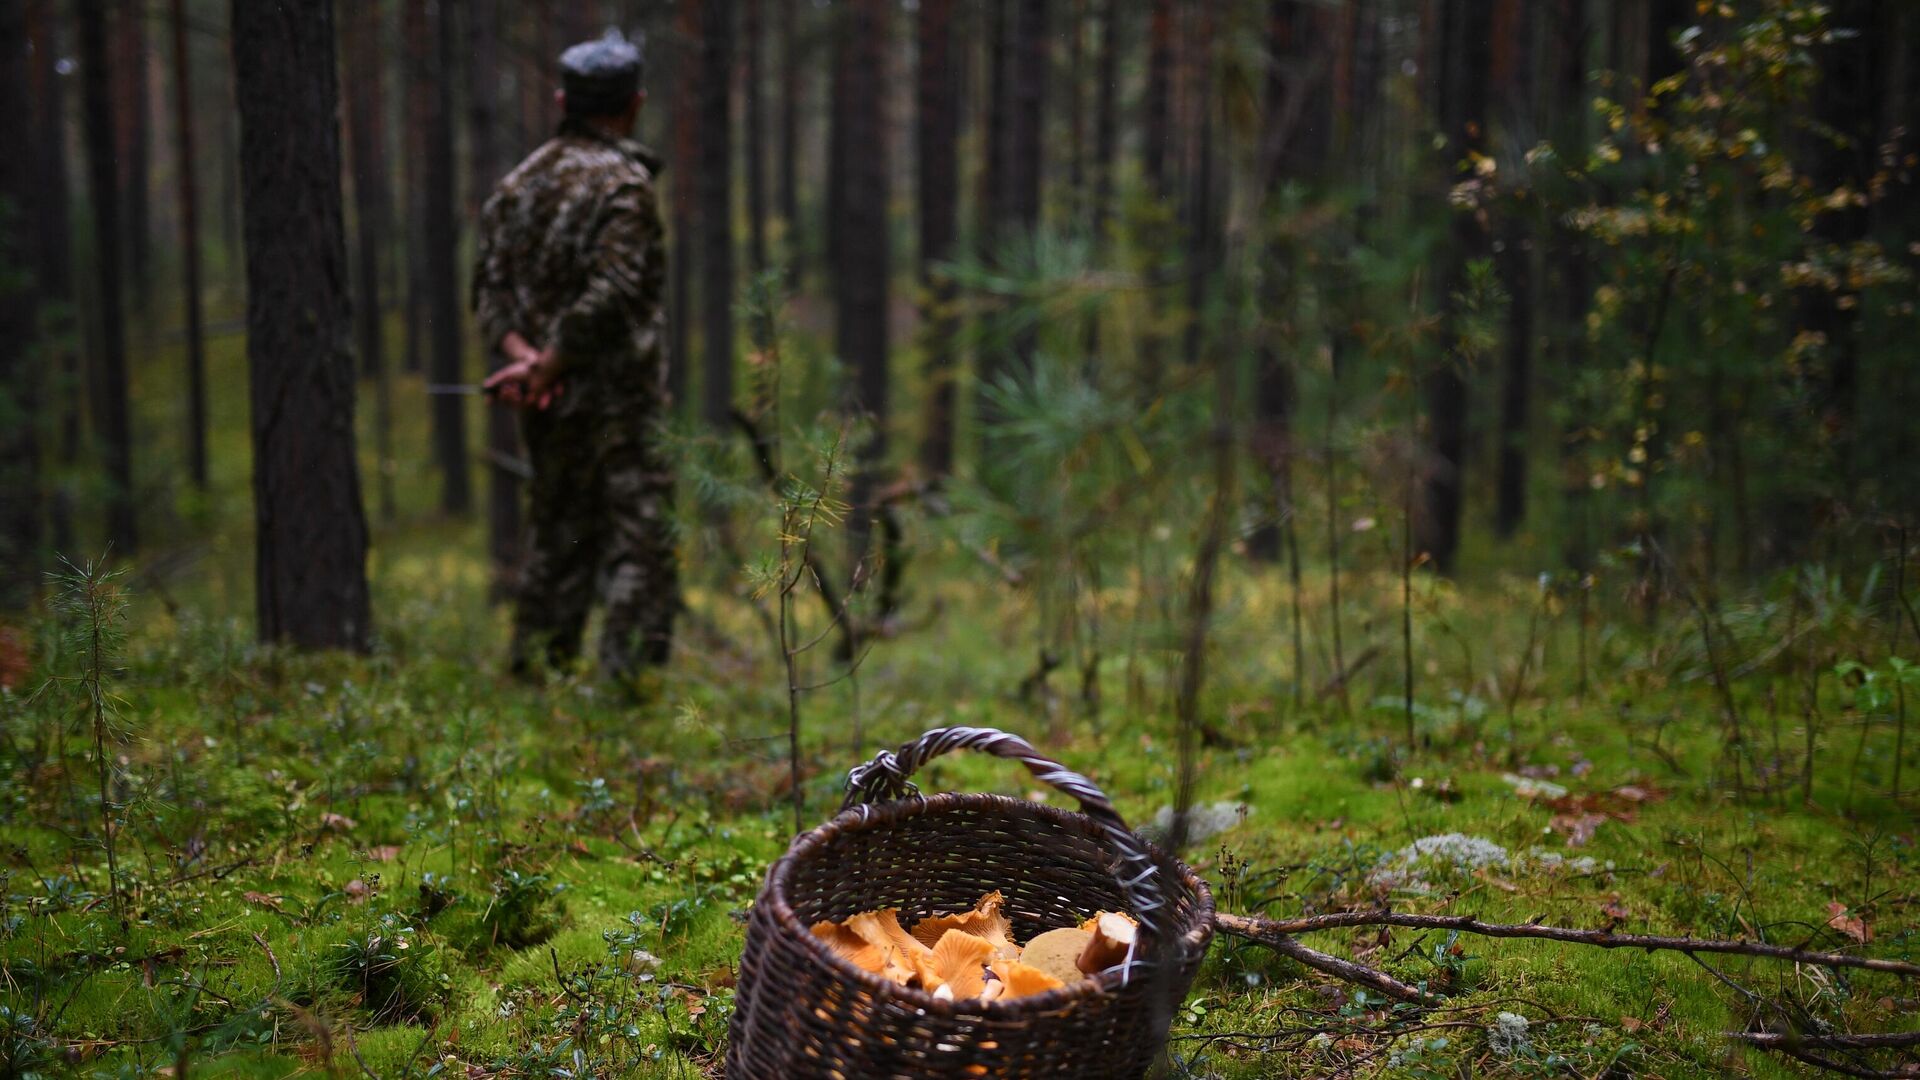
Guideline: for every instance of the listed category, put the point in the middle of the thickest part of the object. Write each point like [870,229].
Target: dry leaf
[1022,980]
[336,822]
[357,891]
[261,899]
[1853,926]
[1057,952]
[986,920]
[1578,828]
[384,853]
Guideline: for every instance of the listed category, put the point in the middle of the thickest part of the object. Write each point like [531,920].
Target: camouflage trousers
[602,511]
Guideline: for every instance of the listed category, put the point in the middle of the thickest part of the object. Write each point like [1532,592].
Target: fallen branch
[1773,1040]
[1253,927]
[1344,970]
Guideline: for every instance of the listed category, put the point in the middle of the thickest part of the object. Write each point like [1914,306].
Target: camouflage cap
[601,76]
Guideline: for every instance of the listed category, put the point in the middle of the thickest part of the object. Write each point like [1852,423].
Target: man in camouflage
[567,290]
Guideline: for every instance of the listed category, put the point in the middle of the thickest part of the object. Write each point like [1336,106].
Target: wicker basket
[802,1012]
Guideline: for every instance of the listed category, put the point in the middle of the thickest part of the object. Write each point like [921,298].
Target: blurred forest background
[1440,388]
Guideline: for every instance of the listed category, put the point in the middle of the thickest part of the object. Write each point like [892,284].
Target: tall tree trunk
[683,180]
[756,156]
[1297,110]
[416,65]
[715,185]
[1106,131]
[1023,155]
[442,237]
[19,333]
[373,211]
[505,526]
[1570,282]
[311,534]
[114,419]
[1202,237]
[1462,110]
[1159,100]
[860,287]
[134,140]
[1512,78]
[789,127]
[938,188]
[1155,159]
[188,164]
[53,258]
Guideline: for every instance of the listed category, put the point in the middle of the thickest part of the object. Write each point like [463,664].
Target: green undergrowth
[406,864]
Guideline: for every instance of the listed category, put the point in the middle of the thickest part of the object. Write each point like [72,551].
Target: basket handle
[1138,873]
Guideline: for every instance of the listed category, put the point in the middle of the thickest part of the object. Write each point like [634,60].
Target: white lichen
[1508,1035]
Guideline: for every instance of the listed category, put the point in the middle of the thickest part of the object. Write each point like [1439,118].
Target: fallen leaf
[357,891]
[384,853]
[261,899]
[1853,926]
[1631,1024]
[336,822]
[1578,828]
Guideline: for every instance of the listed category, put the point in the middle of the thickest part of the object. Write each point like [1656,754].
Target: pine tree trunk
[417,51]
[1570,283]
[113,419]
[443,310]
[682,181]
[1462,109]
[505,526]
[53,260]
[1512,77]
[19,333]
[1024,157]
[938,189]
[135,136]
[789,128]
[311,534]
[188,165]
[860,287]
[755,151]
[366,132]
[715,186]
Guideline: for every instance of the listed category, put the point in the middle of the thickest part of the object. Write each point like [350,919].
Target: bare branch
[1255,928]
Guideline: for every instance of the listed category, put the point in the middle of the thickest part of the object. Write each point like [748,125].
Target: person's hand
[530,380]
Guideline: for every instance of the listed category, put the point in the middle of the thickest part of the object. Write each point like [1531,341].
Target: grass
[407,863]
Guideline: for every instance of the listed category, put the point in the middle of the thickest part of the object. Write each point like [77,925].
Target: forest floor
[407,864]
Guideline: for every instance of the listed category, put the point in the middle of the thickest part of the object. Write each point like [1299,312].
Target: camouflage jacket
[571,253]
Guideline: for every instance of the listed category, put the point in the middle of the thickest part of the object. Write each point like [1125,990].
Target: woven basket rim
[866,818]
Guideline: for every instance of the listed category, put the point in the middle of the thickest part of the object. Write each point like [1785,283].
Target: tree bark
[682,182]
[505,525]
[311,535]
[860,287]
[373,212]
[416,51]
[134,140]
[715,185]
[1512,78]
[938,176]
[443,311]
[1569,282]
[1024,157]
[756,156]
[1462,109]
[113,416]
[53,264]
[19,333]
[188,164]
[789,159]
